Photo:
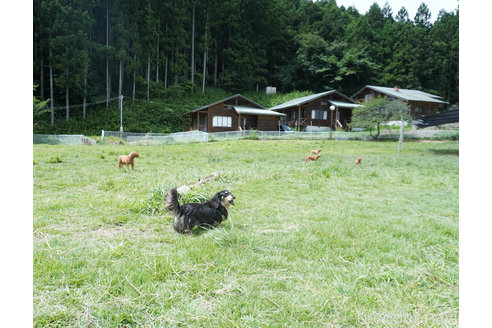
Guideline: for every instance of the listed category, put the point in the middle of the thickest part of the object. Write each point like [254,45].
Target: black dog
[187,216]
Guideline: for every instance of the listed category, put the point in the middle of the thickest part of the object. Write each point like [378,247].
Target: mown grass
[307,245]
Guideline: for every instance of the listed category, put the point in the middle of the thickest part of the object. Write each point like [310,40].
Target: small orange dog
[358,160]
[127,160]
[316,152]
[312,158]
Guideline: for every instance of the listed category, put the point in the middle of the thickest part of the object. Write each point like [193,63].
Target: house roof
[224,100]
[306,99]
[405,94]
[344,104]
[255,111]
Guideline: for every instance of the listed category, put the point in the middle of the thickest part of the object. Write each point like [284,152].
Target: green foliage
[39,106]
[153,203]
[253,135]
[55,160]
[161,115]
[293,45]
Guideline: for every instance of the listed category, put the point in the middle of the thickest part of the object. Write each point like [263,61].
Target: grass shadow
[455,152]
[201,229]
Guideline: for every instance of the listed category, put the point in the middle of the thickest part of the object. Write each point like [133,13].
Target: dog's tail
[172,205]
[171,202]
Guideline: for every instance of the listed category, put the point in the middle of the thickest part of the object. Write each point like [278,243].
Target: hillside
[162,114]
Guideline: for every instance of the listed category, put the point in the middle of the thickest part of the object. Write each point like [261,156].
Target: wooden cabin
[315,111]
[421,103]
[235,113]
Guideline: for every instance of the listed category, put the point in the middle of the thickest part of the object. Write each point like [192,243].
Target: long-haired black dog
[209,213]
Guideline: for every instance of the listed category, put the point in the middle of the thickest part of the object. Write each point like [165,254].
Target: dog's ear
[215,200]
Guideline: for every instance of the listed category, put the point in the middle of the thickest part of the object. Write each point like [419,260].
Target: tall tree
[193,48]
[108,91]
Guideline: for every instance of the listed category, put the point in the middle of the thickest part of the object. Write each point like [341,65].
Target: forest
[89,53]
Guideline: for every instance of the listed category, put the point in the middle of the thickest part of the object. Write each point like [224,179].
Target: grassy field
[325,244]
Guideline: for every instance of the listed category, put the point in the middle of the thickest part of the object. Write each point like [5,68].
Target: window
[222,121]
[368,97]
[318,114]
[323,103]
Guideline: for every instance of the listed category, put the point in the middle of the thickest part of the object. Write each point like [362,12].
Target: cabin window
[368,97]
[323,103]
[318,114]
[222,121]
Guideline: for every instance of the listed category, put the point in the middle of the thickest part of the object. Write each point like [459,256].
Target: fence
[157,138]
[199,136]
[423,134]
[64,139]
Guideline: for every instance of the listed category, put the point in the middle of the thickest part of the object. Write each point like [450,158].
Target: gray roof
[255,111]
[306,99]
[224,100]
[406,94]
[344,104]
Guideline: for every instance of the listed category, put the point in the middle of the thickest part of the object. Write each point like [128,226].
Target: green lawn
[307,245]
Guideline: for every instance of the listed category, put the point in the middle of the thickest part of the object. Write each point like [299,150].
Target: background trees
[99,49]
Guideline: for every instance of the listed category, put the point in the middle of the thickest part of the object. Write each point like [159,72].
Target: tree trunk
[193,51]
[204,70]
[84,102]
[165,68]
[107,59]
[157,65]
[52,98]
[165,75]
[134,75]
[41,79]
[205,54]
[176,77]
[215,66]
[148,77]
[223,67]
[67,100]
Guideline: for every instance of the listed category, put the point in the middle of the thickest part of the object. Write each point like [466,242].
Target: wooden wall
[220,110]
[267,123]
[257,122]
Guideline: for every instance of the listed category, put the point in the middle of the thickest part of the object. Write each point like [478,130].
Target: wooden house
[234,113]
[315,111]
[421,103]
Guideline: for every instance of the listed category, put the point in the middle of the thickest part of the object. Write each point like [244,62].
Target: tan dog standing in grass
[312,158]
[127,160]
[358,160]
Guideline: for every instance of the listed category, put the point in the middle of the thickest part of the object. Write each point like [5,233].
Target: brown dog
[312,158]
[316,152]
[127,160]
[358,160]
